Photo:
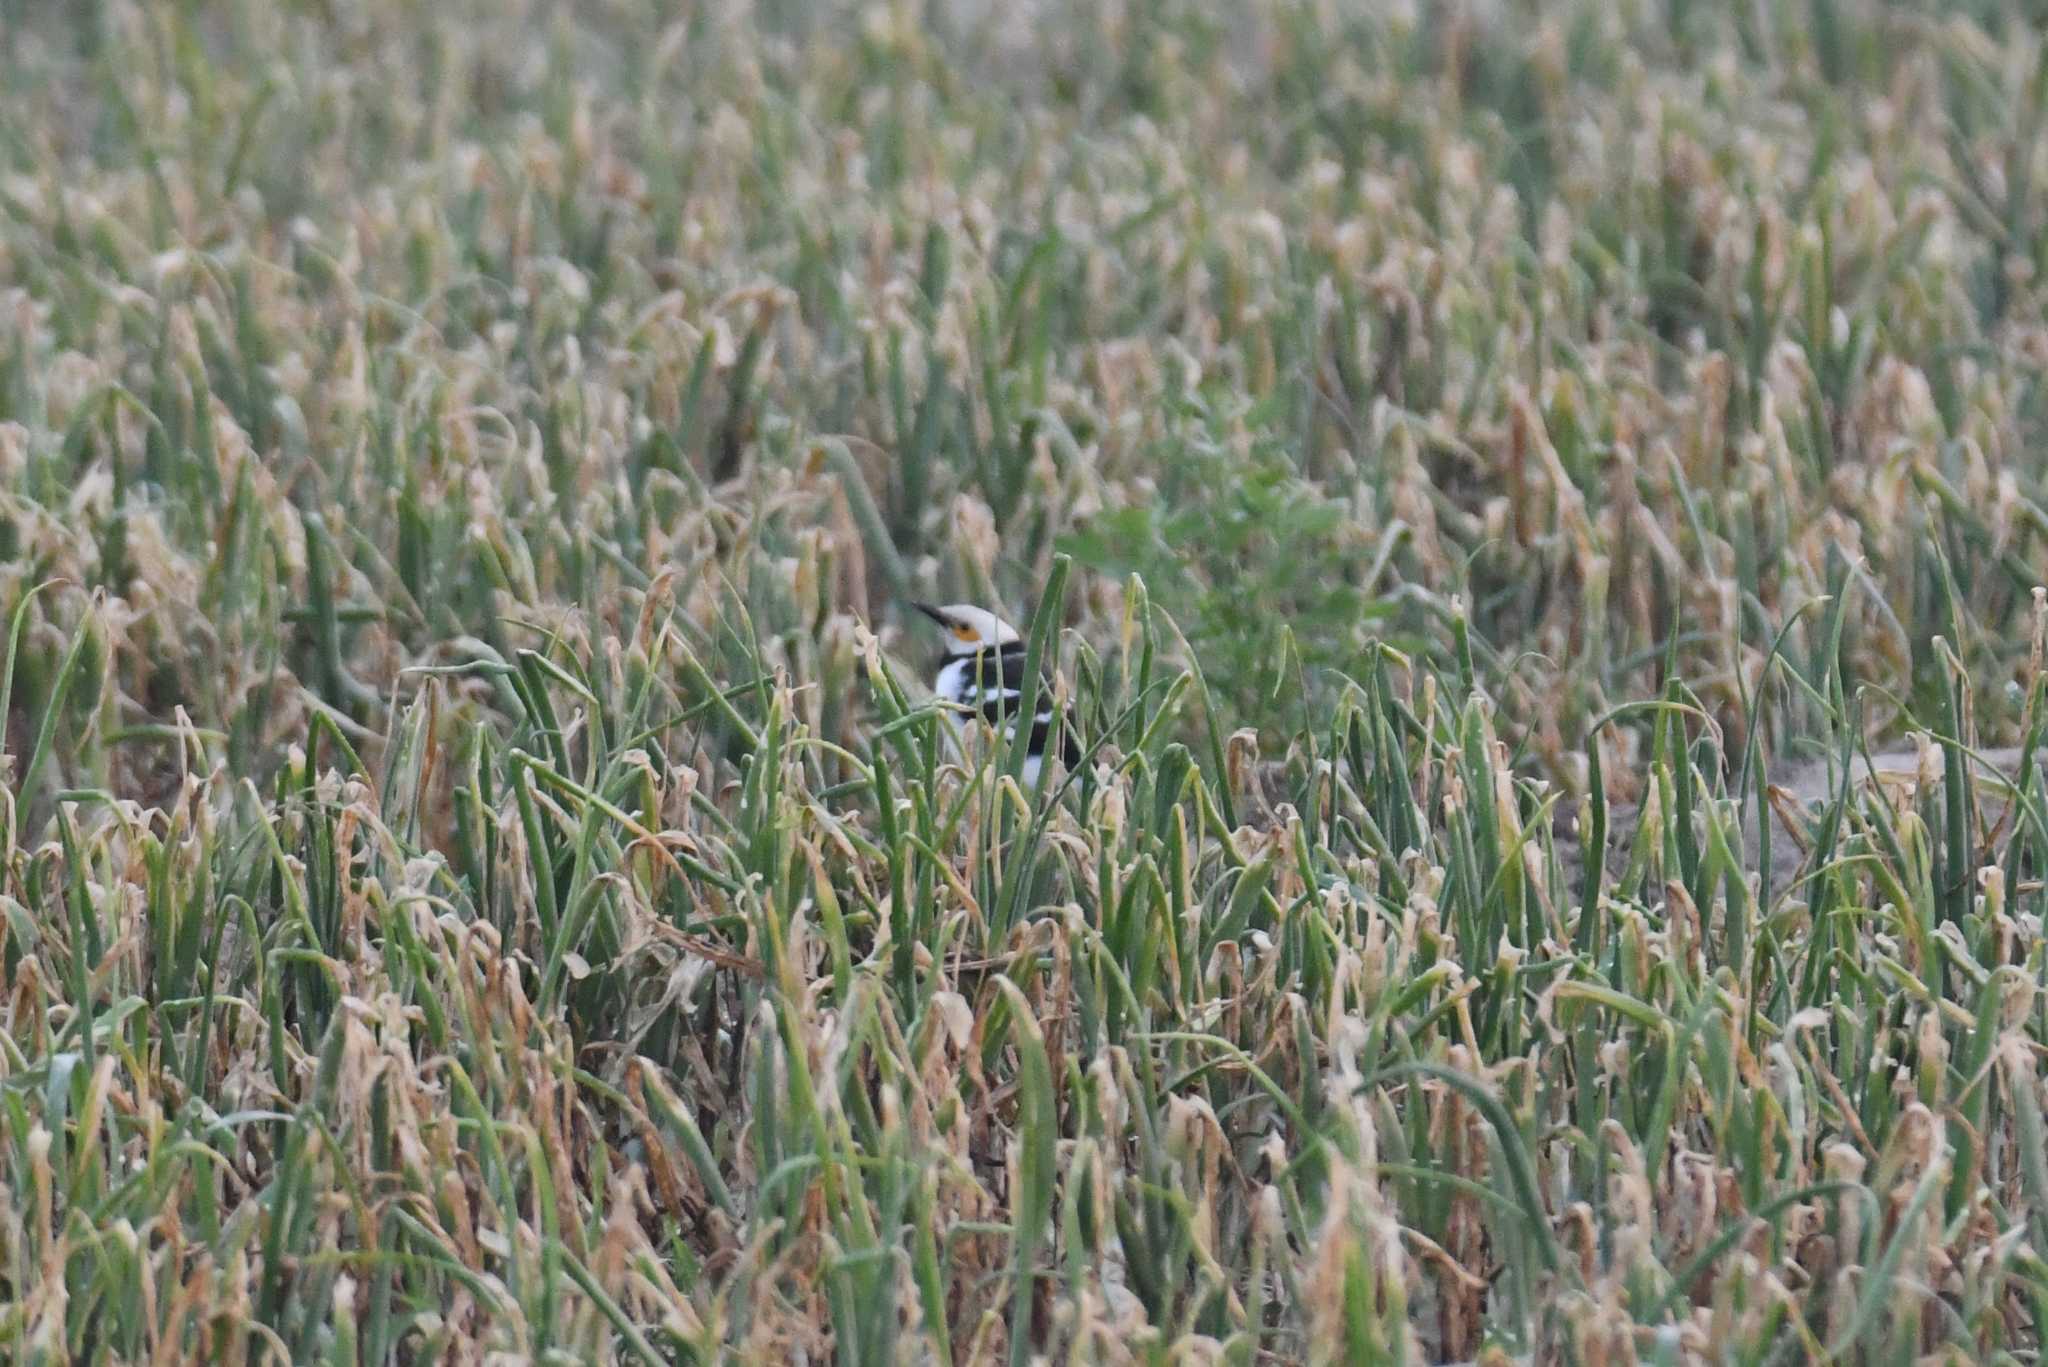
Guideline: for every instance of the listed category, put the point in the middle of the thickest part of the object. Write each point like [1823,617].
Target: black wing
[998,701]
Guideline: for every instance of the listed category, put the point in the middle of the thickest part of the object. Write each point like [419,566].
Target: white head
[970,630]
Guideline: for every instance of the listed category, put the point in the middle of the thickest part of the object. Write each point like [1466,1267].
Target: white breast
[955,681]
[958,683]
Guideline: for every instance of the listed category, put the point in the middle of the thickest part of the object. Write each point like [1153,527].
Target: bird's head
[970,630]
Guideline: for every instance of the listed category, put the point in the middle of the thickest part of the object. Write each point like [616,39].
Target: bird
[982,671]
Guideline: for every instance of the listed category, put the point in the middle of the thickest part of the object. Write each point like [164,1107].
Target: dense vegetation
[481,874]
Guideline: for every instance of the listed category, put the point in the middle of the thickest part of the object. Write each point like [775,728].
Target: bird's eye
[964,633]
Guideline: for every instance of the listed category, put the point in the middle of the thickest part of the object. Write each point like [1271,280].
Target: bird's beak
[928,610]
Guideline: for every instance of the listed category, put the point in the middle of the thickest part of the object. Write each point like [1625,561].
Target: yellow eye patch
[965,633]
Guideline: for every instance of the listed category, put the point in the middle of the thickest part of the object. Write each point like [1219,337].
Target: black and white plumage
[982,671]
